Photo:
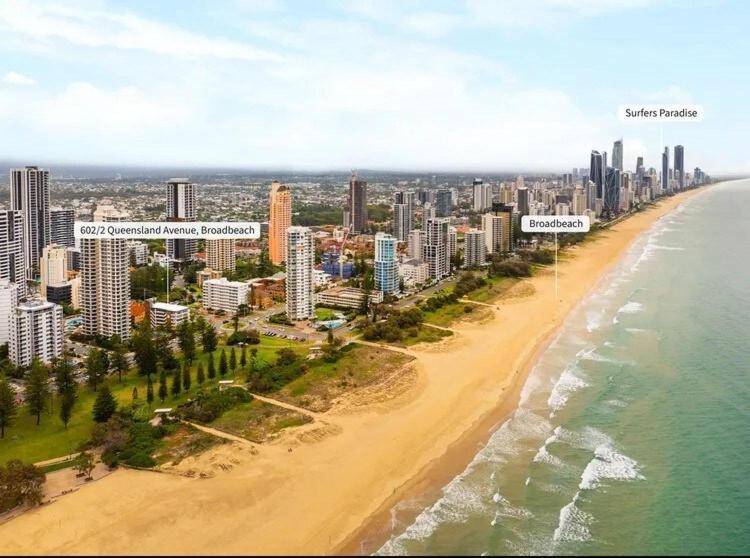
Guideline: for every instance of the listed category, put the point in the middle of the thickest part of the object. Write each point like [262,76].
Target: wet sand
[335,488]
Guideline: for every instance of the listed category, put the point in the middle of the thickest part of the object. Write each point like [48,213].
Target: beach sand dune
[333,489]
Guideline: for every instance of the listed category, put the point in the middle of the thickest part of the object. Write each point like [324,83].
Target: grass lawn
[30,443]
[446,315]
[426,334]
[358,365]
[325,314]
[494,289]
[258,421]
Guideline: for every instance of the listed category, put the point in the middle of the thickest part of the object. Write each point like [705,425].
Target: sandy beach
[345,471]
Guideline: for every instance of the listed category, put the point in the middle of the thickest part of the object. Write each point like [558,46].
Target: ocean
[633,431]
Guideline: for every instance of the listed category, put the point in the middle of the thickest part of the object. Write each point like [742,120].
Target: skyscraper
[105,281]
[300,287]
[386,264]
[403,214]
[36,330]
[62,226]
[8,303]
[29,194]
[435,247]
[181,207]
[415,243]
[280,219]
[596,174]
[482,195]
[12,257]
[617,155]
[665,171]
[358,204]
[679,166]
[443,205]
[220,254]
[505,212]
[475,251]
[612,192]
[523,200]
[52,266]
[402,221]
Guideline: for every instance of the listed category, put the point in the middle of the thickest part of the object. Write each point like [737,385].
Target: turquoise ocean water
[633,433]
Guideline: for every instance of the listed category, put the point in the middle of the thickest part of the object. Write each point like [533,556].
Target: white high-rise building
[36,330]
[181,207]
[105,281]
[8,303]
[482,196]
[29,194]
[435,248]
[220,254]
[161,312]
[475,250]
[452,241]
[492,225]
[138,252]
[12,257]
[386,264]
[579,201]
[415,243]
[300,287]
[52,266]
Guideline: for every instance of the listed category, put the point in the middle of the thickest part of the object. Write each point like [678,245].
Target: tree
[236,321]
[94,368]
[232,360]
[176,382]
[7,406]
[243,356]
[209,339]
[135,394]
[37,389]
[223,364]
[149,391]
[62,371]
[105,405]
[145,350]
[20,483]
[211,367]
[186,339]
[66,407]
[186,380]
[285,356]
[120,362]
[163,392]
[200,376]
[85,464]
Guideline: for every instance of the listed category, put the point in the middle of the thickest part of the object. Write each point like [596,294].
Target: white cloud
[14,78]
[94,28]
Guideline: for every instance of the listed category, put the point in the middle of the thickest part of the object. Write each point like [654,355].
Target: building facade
[280,219]
[300,286]
[223,295]
[29,194]
[62,230]
[36,330]
[357,205]
[12,256]
[475,249]
[105,281]
[181,206]
[386,264]
[221,254]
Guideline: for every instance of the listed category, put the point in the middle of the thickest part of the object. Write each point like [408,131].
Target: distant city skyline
[447,86]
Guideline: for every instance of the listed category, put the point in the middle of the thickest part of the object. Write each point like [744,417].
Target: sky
[494,85]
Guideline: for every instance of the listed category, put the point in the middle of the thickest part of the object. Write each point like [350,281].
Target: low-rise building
[205,274]
[265,291]
[225,295]
[162,311]
[346,297]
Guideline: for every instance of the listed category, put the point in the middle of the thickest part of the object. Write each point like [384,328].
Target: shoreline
[428,483]
[336,488]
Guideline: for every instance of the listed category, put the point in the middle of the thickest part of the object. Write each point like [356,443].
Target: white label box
[148,230]
[555,223]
